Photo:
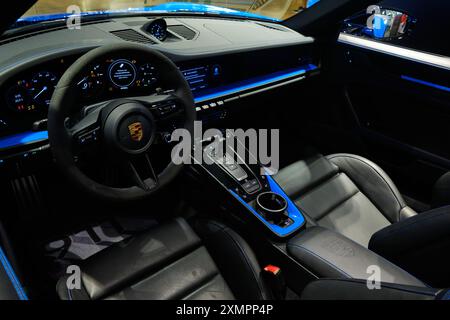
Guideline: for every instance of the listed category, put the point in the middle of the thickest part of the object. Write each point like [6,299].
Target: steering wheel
[124,129]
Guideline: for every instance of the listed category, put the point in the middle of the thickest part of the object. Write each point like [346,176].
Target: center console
[252,186]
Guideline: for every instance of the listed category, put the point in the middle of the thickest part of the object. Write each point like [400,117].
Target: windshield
[275,10]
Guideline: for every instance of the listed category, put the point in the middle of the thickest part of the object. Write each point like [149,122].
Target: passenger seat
[346,193]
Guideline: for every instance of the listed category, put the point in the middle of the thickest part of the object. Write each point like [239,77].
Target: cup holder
[272,206]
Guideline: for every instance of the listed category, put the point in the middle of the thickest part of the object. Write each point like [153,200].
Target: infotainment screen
[198,78]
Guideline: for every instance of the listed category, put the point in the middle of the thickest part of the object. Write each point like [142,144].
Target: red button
[272,269]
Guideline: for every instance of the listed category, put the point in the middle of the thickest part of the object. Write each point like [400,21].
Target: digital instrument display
[122,73]
[32,91]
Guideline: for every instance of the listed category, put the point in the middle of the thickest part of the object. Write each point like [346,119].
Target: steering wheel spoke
[85,135]
[142,173]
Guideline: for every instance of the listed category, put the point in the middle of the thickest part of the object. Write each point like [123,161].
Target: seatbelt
[275,280]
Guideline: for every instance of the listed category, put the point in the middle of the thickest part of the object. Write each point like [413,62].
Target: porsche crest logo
[136,132]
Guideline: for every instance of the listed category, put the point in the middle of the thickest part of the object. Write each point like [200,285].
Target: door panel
[400,93]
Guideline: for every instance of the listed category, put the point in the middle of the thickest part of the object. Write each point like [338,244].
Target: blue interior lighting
[254,83]
[22,138]
[12,276]
[426,83]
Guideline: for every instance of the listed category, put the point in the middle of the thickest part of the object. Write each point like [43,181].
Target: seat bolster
[235,260]
[373,182]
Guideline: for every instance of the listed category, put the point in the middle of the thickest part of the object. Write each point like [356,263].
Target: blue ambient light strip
[426,83]
[22,138]
[292,210]
[255,83]
[12,276]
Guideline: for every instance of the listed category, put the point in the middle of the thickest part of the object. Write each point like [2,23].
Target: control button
[234,169]
[166,137]
[216,70]
[246,185]
[162,110]
[220,103]
[205,107]
[286,223]
[237,172]
[198,109]
[213,105]
[250,186]
[88,137]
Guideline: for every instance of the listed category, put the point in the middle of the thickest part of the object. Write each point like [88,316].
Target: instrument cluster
[113,77]
[32,91]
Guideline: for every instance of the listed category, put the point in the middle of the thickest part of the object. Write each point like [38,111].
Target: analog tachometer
[42,86]
[93,82]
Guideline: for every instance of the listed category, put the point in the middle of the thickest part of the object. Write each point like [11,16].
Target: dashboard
[221,59]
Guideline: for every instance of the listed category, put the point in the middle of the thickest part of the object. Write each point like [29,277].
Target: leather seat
[171,261]
[346,193]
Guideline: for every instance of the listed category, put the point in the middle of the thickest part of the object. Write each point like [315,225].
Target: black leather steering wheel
[124,128]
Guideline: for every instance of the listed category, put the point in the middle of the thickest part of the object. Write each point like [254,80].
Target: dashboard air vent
[183,31]
[132,35]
